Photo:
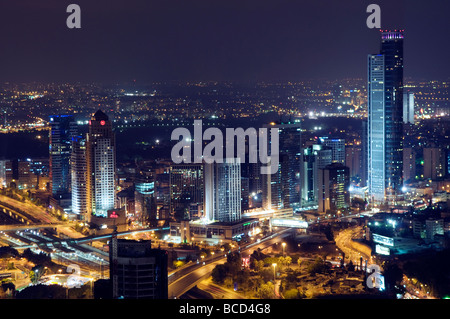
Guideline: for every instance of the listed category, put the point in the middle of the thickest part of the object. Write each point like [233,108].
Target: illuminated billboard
[285,222]
[387,241]
[382,250]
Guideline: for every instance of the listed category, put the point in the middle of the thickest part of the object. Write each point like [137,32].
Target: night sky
[202,40]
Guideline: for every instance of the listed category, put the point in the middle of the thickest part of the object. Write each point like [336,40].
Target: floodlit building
[101,165]
[385,117]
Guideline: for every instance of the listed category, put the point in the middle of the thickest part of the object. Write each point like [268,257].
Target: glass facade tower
[385,117]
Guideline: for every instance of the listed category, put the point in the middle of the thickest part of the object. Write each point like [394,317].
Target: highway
[190,276]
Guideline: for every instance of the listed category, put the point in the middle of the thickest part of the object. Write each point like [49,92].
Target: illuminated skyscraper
[79,175]
[223,190]
[385,117]
[186,187]
[101,165]
[62,129]
[408,107]
[315,157]
[337,148]
[333,185]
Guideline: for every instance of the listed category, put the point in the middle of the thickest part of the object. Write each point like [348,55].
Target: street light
[274,275]
[284,246]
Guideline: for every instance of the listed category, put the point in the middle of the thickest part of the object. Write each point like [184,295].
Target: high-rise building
[408,107]
[186,187]
[409,164]
[79,175]
[223,190]
[353,159]
[315,157]
[101,165]
[433,163]
[62,129]
[137,271]
[290,144]
[337,148]
[276,187]
[385,117]
[3,173]
[245,195]
[144,200]
[333,185]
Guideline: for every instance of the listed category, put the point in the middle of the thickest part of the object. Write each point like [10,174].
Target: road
[39,213]
[343,241]
[217,291]
[197,272]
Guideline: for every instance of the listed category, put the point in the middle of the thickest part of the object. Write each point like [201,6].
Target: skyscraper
[62,129]
[137,271]
[408,107]
[79,175]
[186,187]
[333,186]
[276,188]
[337,148]
[223,190]
[290,151]
[315,157]
[101,165]
[385,117]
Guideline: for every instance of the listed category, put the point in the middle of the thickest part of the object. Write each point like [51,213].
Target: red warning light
[102,123]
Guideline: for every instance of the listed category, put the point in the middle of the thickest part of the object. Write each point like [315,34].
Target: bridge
[7,228]
[91,238]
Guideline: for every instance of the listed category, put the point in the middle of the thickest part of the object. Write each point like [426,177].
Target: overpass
[17,214]
[7,228]
[93,237]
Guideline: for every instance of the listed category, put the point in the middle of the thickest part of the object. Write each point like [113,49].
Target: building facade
[101,165]
[385,118]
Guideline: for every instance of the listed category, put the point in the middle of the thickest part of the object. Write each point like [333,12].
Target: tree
[319,266]
[219,274]
[292,294]
[42,292]
[8,251]
[266,291]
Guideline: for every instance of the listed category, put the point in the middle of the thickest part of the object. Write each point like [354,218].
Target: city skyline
[135,151]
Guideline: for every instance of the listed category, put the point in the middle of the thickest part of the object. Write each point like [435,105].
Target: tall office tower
[364,153]
[245,182]
[276,187]
[290,143]
[315,157]
[79,175]
[186,187]
[447,162]
[223,190]
[337,148]
[62,129]
[385,117]
[409,164]
[3,173]
[408,107]
[353,156]
[101,165]
[334,182]
[137,271]
[433,163]
[144,200]
[255,177]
